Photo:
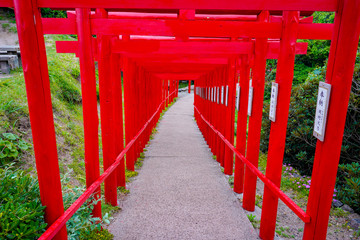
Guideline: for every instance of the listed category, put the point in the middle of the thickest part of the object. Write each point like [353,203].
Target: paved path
[180,192]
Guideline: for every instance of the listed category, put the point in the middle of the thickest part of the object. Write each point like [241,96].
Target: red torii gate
[344,43]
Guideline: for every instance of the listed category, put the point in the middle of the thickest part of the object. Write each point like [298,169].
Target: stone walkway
[180,192]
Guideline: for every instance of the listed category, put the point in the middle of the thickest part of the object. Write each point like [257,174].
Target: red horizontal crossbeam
[245,5]
[154,49]
[196,28]
[173,47]
[178,60]
[122,15]
[179,76]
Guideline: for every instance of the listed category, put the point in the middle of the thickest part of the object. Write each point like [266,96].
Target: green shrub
[300,143]
[21,212]
[104,234]
[348,185]
[48,13]
[11,146]
[82,222]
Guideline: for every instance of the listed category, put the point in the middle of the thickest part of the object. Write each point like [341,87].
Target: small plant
[124,190]
[5,25]
[21,212]
[82,222]
[11,146]
[254,222]
[13,29]
[231,181]
[109,209]
[258,200]
[95,234]
[130,174]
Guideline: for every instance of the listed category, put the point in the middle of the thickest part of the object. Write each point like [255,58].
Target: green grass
[109,209]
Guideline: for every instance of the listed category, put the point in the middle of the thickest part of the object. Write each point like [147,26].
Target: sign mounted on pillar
[273,101]
[212,94]
[222,94]
[227,95]
[321,110]
[251,90]
[237,96]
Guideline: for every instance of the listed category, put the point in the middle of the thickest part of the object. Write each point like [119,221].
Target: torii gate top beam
[243,6]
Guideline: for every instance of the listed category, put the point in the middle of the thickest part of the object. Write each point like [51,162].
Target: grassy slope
[66,99]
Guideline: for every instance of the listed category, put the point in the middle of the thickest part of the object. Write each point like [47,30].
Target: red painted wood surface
[34,62]
[167,41]
[89,100]
[242,123]
[106,116]
[284,77]
[118,136]
[255,120]
[197,28]
[230,115]
[339,74]
[245,5]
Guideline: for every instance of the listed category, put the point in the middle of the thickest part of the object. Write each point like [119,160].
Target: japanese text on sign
[273,101]
[321,110]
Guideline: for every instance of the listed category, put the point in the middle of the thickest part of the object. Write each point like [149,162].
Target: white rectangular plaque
[321,110]
[227,95]
[273,101]
[251,91]
[237,96]
[222,94]
[213,94]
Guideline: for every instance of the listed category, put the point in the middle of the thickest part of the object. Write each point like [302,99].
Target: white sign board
[237,96]
[214,90]
[222,94]
[321,110]
[227,95]
[273,101]
[251,91]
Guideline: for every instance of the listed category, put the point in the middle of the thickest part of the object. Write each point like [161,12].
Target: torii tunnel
[219,45]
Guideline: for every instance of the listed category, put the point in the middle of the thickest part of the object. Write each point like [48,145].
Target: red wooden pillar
[129,108]
[223,77]
[242,123]
[339,74]
[167,92]
[189,87]
[118,136]
[230,117]
[284,77]
[218,141]
[33,54]
[106,116]
[255,120]
[89,99]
